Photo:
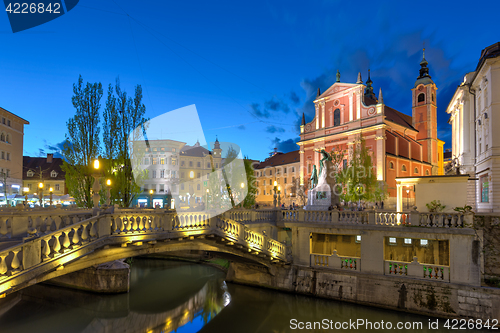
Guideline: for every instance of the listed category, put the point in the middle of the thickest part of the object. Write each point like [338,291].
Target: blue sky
[251,68]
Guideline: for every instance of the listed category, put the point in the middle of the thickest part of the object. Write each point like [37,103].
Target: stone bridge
[64,244]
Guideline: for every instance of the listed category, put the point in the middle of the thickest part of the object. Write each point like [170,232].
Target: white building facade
[475,119]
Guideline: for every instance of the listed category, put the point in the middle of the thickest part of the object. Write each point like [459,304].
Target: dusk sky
[251,68]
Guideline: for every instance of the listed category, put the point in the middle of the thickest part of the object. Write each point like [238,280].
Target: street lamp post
[108,198]
[242,197]
[275,190]
[40,186]
[96,187]
[407,199]
[151,198]
[50,191]
[279,196]
[206,201]
[26,190]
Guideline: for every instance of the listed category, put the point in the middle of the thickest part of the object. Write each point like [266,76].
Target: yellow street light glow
[150,191]
[51,189]
[108,182]
[207,190]
[191,174]
[275,183]
[40,185]
[279,188]
[26,189]
[242,185]
[96,164]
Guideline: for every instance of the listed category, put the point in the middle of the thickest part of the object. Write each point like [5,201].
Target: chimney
[49,158]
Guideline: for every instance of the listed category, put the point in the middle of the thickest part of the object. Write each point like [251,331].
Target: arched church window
[403,168]
[416,170]
[426,172]
[421,98]
[336,117]
[391,165]
[432,96]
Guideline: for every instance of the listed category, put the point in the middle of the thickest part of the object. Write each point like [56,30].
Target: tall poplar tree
[124,124]
[82,141]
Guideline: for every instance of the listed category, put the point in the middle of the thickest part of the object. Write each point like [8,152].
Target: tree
[249,201]
[359,181]
[82,141]
[124,124]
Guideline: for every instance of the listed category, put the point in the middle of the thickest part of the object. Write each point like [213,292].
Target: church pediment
[335,88]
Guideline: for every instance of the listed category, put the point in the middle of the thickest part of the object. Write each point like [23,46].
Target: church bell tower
[424,115]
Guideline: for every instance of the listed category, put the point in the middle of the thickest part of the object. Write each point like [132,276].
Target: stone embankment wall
[411,295]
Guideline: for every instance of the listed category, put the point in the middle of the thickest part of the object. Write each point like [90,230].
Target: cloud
[258,112]
[274,129]
[285,146]
[241,127]
[274,104]
[294,98]
[55,149]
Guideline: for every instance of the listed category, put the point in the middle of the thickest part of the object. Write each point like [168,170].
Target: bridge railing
[18,224]
[56,248]
[373,217]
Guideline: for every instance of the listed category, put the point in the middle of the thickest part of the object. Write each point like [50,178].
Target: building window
[162,149]
[162,173]
[57,187]
[216,165]
[29,187]
[426,172]
[424,242]
[416,170]
[293,169]
[2,137]
[162,161]
[155,149]
[3,121]
[432,96]
[146,160]
[208,165]
[309,168]
[391,165]
[336,117]
[403,168]
[182,163]
[174,161]
[270,172]
[8,123]
[190,163]
[264,182]
[154,173]
[198,164]
[198,187]
[284,170]
[421,98]
[264,192]
[407,241]
[392,240]
[284,180]
[30,173]
[162,187]
[53,174]
[7,139]
[198,175]
[155,160]
[3,155]
[173,150]
[484,188]
[8,154]
[182,174]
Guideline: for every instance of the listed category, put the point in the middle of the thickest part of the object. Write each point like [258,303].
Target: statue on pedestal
[314,177]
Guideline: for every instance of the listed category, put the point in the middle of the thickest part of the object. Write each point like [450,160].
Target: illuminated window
[358,238]
[155,149]
[162,161]
[392,240]
[483,180]
[408,241]
[53,174]
[162,149]
[174,161]
[173,150]
[423,242]
[155,160]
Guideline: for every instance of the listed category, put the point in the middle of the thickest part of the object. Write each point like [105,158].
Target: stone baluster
[85,234]
[66,243]
[56,247]
[15,264]
[3,227]
[75,239]
[93,231]
[46,249]
[3,264]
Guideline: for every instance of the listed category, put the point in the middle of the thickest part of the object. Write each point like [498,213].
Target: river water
[168,296]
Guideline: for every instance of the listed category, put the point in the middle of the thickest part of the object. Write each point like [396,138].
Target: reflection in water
[170,296]
[163,297]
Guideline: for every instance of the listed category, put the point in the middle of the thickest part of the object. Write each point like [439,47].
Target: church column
[380,155]
[399,204]
[350,107]
[316,106]
[322,114]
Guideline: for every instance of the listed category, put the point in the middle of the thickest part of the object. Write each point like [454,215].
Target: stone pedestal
[319,198]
